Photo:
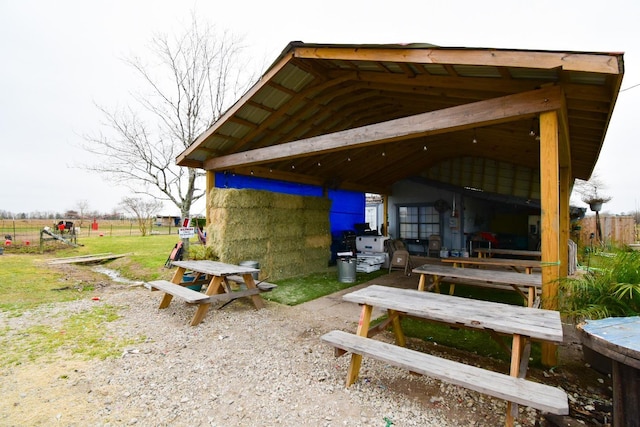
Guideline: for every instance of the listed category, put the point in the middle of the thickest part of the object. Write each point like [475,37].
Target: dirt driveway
[243,367]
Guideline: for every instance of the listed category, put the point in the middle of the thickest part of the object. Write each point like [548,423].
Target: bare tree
[188,89]
[83,210]
[143,211]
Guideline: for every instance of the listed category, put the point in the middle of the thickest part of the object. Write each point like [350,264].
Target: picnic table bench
[521,323]
[215,276]
[527,285]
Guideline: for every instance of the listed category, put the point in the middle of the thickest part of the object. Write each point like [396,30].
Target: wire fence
[30,231]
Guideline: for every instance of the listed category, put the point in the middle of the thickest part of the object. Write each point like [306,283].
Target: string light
[475,139]
[532,131]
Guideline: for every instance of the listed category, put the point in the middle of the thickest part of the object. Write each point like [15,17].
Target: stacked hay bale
[288,235]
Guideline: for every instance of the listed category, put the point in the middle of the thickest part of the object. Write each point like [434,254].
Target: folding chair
[400,258]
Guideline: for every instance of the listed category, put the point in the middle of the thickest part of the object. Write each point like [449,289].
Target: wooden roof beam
[483,113]
[596,63]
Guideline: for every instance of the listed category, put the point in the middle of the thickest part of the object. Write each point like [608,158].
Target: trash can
[346,268]
[190,277]
[251,264]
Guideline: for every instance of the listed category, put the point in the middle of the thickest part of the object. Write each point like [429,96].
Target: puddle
[114,275]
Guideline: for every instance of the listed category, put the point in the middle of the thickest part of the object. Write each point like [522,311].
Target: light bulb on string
[532,130]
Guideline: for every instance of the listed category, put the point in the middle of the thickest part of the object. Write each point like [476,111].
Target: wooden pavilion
[362,117]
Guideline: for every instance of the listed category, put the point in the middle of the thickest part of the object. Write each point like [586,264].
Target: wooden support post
[210,184]
[565,225]
[385,215]
[550,202]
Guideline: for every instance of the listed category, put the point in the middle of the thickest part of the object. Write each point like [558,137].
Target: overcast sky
[61,58]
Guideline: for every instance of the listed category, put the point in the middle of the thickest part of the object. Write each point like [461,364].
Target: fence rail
[21,232]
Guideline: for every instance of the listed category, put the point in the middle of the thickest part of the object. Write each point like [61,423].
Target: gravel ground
[240,367]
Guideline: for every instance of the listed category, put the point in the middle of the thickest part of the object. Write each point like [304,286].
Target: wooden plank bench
[189,295]
[263,286]
[521,323]
[512,389]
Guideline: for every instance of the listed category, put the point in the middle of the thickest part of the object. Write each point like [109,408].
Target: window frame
[425,228]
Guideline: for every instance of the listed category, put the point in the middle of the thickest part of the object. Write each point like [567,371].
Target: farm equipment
[70,240]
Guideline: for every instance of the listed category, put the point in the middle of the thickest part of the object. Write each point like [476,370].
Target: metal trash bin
[346,267]
[190,277]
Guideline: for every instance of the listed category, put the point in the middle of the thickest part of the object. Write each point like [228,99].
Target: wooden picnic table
[531,283]
[520,323]
[618,338]
[527,264]
[489,252]
[214,275]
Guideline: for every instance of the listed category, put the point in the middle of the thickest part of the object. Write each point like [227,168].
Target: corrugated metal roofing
[316,89]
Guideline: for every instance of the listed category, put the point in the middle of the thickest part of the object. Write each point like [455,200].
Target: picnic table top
[489,276]
[499,317]
[215,268]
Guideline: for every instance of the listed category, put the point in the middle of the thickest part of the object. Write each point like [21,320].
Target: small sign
[186,232]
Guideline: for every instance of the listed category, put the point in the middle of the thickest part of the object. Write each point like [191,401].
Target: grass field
[26,281]
[28,230]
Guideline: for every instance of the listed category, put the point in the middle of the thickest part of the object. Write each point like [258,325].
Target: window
[418,222]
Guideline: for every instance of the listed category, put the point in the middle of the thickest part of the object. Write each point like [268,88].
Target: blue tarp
[347,207]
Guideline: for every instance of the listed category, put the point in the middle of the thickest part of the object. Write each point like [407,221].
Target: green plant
[612,290]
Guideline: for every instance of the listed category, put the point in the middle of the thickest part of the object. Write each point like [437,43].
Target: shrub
[612,290]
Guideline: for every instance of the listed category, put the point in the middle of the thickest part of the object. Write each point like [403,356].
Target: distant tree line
[69,214]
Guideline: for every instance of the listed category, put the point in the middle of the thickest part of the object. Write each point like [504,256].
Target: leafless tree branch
[193,80]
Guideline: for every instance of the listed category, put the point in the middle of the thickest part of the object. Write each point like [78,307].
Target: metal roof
[300,120]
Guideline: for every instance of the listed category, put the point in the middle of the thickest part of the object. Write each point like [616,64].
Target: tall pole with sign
[186,231]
